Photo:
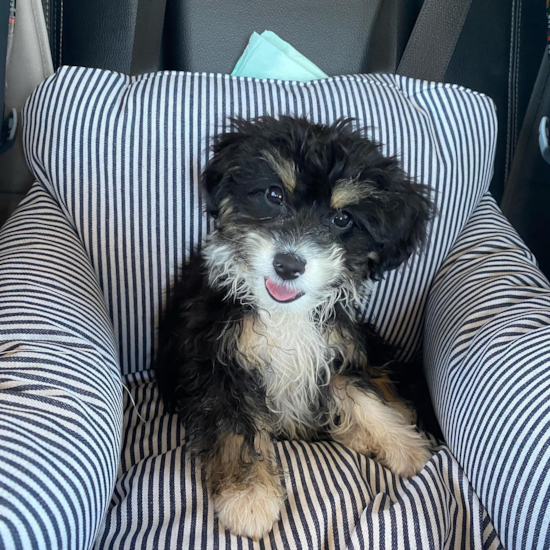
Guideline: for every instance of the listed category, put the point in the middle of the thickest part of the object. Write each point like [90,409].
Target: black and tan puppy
[260,339]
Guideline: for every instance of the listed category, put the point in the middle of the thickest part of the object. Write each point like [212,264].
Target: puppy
[260,339]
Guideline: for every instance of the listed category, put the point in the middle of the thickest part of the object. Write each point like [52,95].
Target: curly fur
[237,364]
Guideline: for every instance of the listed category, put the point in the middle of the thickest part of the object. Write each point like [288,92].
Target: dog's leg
[227,424]
[367,424]
[246,485]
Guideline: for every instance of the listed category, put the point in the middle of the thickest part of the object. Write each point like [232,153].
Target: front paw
[407,454]
[250,510]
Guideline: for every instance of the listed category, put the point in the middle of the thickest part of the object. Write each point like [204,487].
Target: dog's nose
[288,267]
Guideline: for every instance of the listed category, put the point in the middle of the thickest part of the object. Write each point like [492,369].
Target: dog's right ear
[218,168]
[217,172]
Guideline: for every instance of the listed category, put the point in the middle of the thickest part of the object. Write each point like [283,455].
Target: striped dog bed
[87,456]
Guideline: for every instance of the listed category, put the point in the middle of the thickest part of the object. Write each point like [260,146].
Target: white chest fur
[292,353]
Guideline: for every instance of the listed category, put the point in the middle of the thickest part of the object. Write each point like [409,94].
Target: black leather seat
[337,36]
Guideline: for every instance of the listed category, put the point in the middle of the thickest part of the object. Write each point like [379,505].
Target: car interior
[108,112]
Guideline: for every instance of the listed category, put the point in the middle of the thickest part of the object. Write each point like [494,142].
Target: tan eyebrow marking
[348,192]
[284,168]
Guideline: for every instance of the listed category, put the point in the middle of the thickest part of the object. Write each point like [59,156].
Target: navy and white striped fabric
[487,352]
[336,498]
[87,258]
[60,387]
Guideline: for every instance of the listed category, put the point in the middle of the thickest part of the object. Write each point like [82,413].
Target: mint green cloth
[268,56]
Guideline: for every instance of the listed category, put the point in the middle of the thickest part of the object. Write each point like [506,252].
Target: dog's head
[306,212]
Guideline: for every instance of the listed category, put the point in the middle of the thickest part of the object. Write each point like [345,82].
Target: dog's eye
[343,220]
[275,195]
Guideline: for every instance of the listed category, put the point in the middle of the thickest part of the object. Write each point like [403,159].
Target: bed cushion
[123,157]
[337,499]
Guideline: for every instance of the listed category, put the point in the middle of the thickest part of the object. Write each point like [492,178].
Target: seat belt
[147,36]
[526,191]
[433,39]
[8,124]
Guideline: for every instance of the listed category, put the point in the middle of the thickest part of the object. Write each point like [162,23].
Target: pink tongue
[280,292]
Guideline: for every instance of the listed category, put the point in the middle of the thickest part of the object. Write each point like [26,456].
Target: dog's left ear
[397,218]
